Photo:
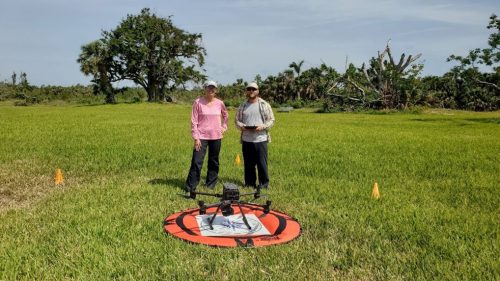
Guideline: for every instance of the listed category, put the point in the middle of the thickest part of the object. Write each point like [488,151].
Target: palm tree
[95,60]
[296,67]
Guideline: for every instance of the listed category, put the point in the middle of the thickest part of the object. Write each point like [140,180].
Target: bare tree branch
[401,61]
[410,60]
[332,87]
[381,59]
[350,98]
[389,52]
[357,87]
[368,77]
[487,83]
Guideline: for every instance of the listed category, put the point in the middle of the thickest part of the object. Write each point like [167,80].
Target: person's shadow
[169,182]
[180,184]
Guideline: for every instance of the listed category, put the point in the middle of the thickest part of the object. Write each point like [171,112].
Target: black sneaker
[210,186]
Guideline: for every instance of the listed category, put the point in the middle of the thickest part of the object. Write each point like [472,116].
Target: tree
[296,67]
[391,81]
[24,80]
[487,56]
[97,60]
[155,54]
[347,92]
[147,49]
[279,88]
[14,78]
[474,89]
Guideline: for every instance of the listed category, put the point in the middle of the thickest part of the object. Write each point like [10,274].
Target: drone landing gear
[230,196]
[227,210]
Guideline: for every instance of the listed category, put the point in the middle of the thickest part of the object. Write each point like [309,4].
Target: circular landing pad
[231,231]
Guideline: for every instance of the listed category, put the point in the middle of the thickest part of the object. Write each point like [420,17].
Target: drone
[230,196]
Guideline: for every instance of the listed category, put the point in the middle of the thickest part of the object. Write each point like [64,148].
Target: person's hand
[259,128]
[197,145]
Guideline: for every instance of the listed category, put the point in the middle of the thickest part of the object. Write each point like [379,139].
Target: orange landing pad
[266,229]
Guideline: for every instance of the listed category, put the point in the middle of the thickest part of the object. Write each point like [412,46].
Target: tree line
[164,60]
[390,82]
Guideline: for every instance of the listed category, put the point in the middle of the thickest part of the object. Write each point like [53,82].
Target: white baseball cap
[253,85]
[211,83]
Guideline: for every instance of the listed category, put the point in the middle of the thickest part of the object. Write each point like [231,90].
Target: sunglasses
[251,89]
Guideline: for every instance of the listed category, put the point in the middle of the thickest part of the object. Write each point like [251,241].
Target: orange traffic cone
[58,179]
[237,160]
[375,192]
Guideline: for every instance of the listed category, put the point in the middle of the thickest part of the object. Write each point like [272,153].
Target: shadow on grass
[93,104]
[433,119]
[171,182]
[180,183]
[485,120]
[460,122]
[231,180]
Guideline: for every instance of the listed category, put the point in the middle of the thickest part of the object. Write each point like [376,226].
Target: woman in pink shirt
[208,124]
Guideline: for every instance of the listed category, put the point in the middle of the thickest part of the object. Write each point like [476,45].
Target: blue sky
[244,38]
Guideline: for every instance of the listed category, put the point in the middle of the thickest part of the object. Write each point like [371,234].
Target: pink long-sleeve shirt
[208,121]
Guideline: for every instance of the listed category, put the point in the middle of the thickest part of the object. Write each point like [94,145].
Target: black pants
[197,163]
[255,154]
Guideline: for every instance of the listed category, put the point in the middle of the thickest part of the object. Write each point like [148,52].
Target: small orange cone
[375,192]
[58,179]
[237,160]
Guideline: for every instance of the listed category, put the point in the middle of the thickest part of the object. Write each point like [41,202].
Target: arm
[239,125]
[268,116]
[224,117]
[195,133]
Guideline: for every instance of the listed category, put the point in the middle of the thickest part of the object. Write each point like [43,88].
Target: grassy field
[438,217]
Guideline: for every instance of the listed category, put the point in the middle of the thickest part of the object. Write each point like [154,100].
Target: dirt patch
[23,183]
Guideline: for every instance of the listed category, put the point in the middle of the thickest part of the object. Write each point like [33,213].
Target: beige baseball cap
[253,85]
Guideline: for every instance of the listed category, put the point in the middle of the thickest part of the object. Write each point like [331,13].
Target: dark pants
[197,163]
[255,154]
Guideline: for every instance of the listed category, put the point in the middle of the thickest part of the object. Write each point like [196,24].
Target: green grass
[124,166]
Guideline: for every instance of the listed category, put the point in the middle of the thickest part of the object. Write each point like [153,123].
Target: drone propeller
[230,192]
[192,194]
